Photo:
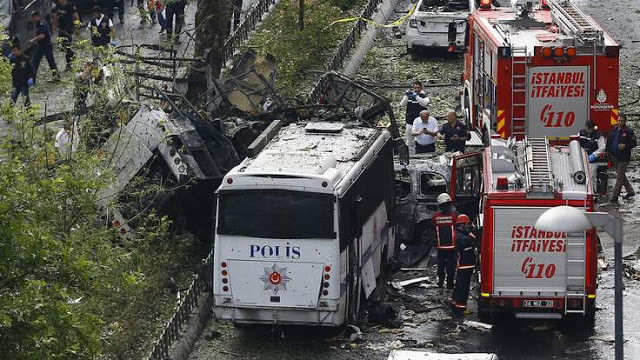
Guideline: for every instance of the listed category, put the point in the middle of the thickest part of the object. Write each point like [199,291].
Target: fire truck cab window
[468,181]
[432,184]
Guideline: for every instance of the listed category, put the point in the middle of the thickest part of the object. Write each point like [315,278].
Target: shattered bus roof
[300,150]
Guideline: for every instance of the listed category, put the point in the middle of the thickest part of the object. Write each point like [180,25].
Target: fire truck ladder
[519,62]
[573,21]
[575,273]
[538,171]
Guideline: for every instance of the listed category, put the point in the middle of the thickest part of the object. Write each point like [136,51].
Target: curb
[181,349]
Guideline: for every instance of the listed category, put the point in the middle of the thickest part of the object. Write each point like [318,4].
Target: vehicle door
[466,182]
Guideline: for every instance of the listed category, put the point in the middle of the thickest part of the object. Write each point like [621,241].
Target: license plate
[537,303]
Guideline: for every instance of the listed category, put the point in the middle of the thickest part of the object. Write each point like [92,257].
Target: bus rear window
[276,214]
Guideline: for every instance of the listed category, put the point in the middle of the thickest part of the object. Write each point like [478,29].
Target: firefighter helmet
[443,198]
[462,218]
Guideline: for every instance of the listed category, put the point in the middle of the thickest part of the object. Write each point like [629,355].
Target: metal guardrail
[344,50]
[242,32]
[200,284]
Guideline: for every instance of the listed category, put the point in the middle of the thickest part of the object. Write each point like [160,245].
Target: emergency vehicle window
[468,181]
[276,214]
[487,60]
[489,101]
[432,184]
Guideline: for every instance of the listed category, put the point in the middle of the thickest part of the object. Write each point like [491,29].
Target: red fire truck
[539,68]
[523,270]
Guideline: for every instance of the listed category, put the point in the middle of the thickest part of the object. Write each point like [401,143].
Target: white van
[438,24]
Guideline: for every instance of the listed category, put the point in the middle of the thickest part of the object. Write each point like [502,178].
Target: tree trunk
[213,18]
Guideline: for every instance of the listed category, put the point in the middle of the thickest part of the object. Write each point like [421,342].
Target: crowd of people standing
[422,129]
[66,21]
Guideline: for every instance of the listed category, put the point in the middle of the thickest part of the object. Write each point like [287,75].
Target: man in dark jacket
[21,74]
[65,16]
[45,46]
[454,132]
[465,262]
[621,140]
[444,222]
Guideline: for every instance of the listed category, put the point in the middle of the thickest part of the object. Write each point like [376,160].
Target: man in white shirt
[65,141]
[425,129]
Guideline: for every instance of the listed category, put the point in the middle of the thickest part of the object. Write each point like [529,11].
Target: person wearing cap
[102,31]
[465,262]
[444,221]
[65,18]
[44,46]
[21,74]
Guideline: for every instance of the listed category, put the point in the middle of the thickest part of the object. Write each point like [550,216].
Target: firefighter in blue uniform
[444,222]
[465,262]
[44,46]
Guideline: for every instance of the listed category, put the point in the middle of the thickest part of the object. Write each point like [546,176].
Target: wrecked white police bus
[305,225]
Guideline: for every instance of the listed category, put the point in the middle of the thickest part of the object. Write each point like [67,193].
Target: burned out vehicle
[418,184]
[183,155]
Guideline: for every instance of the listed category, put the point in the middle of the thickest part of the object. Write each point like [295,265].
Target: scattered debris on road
[383,314]
[632,271]
[602,264]
[352,333]
[399,285]
[478,325]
